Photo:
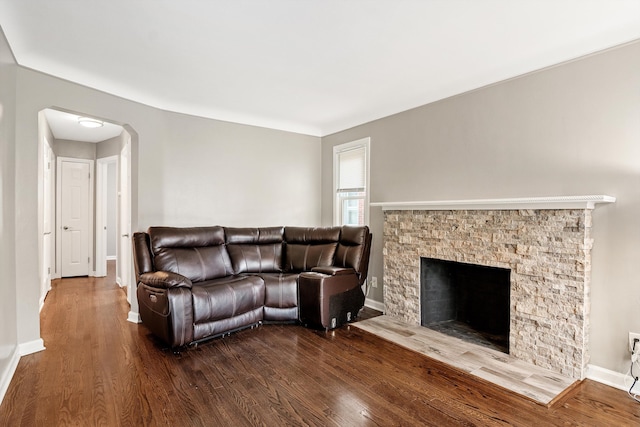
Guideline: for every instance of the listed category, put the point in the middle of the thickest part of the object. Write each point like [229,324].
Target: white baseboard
[7,375]
[31,347]
[376,305]
[111,257]
[19,351]
[134,317]
[608,377]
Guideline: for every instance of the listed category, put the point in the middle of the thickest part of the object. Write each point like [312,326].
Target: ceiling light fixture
[89,122]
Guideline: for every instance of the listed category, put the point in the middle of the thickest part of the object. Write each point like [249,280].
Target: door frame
[59,162]
[102,168]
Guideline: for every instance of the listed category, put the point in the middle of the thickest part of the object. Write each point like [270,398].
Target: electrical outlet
[633,336]
[374,284]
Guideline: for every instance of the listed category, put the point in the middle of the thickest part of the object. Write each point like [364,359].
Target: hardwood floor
[99,369]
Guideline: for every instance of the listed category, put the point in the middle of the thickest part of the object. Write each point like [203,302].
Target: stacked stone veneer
[548,252]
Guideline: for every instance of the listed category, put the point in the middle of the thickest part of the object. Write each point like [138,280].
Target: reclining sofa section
[202,282]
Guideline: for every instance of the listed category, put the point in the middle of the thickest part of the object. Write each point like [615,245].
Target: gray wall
[569,130]
[8,301]
[186,171]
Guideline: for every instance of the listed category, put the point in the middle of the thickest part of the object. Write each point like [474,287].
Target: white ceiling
[314,67]
[65,126]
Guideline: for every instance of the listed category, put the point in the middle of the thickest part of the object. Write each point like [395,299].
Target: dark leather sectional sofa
[199,283]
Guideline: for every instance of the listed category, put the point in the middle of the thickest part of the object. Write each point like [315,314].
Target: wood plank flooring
[532,381]
[100,370]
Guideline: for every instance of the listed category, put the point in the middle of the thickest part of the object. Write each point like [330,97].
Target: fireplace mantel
[554,202]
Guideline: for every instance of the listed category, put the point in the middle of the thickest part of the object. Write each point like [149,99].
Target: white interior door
[74,218]
[101,218]
[124,257]
[106,213]
[47,220]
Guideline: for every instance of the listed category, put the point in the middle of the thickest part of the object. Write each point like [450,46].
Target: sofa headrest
[308,235]
[354,235]
[190,237]
[260,236]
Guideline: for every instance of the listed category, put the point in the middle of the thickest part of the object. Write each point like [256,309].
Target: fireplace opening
[466,301]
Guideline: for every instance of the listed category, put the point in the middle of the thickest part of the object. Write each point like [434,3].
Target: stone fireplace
[546,245]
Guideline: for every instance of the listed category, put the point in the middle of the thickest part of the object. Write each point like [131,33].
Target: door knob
[65,228]
[125,235]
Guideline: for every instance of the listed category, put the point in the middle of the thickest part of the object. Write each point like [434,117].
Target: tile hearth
[534,382]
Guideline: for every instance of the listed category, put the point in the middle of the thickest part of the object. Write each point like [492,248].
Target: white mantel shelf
[554,202]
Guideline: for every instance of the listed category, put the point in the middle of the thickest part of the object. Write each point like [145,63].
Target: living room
[570,128]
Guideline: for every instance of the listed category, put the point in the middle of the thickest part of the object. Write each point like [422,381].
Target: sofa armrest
[333,271]
[328,301]
[165,280]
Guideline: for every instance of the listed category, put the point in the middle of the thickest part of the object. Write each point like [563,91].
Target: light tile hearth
[534,382]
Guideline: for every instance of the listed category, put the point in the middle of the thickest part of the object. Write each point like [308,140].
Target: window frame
[337,199]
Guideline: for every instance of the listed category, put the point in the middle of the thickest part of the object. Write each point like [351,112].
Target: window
[351,183]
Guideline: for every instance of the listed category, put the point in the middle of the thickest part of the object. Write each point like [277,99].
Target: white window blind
[351,170]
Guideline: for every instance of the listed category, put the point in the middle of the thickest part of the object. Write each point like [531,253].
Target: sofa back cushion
[198,253]
[354,250]
[255,250]
[350,250]
[310,247]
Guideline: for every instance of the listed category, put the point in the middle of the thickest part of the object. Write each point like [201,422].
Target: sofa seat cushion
[227,297]
[281,289]
[281,296]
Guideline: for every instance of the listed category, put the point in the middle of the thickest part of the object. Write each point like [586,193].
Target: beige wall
[213,172]
[187,171]
[110,147]
[8,304]
[569,130]
[74,149]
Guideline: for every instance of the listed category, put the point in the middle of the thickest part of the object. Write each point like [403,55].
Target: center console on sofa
[201,282]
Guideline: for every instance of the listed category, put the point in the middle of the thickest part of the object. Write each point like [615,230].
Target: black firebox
[467,301]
